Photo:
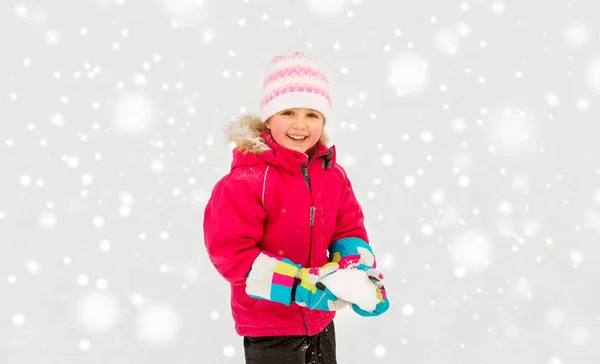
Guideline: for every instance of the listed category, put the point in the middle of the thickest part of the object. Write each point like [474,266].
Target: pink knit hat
[294,81]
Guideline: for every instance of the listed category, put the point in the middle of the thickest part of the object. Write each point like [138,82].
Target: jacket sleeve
[350,218]
[233,226]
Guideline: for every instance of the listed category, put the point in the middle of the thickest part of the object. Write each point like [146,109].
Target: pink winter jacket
[283,202]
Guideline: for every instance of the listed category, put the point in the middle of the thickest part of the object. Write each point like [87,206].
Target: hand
[311,293]
[350,252]
[356,253]
[377,278]
[281,280]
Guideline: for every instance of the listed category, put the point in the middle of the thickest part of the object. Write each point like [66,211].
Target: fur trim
[246,133]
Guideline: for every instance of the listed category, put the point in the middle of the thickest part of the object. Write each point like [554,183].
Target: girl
[271,221]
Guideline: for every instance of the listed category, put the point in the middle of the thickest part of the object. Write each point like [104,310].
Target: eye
[313,115]
[287,112]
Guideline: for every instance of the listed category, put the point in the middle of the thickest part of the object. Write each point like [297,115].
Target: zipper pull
[306,177]
[305,172]
[312,215]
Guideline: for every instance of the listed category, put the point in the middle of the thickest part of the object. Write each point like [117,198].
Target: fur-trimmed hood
[246,133]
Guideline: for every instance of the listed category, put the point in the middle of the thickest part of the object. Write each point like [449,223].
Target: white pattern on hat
[294,81]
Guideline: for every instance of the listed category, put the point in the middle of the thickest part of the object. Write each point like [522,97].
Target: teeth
[297,137]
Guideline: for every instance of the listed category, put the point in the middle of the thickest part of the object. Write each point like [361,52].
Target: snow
[498,7]
[387,159]
[18,319]
[354,286]
[512,132]
[576,35]
[228,351]
[472,251]
[592,74]
[468,130]
[447,41]
[158,324]
[84,345]
[328,8]
[133,113]
[409,74]
[48,220]
[98,312]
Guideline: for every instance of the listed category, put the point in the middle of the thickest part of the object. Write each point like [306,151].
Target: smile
[296,137]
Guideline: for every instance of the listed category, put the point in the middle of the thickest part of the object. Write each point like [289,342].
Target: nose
[300,121]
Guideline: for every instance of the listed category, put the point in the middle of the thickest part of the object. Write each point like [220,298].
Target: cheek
[278,134]
[316,129]
[277,130]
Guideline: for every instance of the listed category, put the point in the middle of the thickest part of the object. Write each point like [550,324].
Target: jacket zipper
[313,210]
[307,180]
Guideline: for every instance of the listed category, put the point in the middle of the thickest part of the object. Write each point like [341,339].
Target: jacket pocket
[240,297]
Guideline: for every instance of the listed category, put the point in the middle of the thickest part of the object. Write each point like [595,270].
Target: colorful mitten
[313,294]
[281,280]
[349,252]
[377,279]
[357,253]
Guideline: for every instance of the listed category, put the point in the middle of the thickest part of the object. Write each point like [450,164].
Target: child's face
[297,122]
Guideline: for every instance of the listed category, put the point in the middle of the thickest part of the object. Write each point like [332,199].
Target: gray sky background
[469,130]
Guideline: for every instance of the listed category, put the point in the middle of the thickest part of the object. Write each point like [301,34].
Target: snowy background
[467,129]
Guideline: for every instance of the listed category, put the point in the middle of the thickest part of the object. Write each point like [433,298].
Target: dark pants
[318,349]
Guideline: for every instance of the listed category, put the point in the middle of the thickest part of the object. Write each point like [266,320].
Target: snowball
[353,285]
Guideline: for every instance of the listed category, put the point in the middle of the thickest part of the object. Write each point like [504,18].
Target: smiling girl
[284,217]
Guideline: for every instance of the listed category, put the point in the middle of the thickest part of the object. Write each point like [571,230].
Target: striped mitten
[349,252]
[357,253]
[281,280]
[384,303]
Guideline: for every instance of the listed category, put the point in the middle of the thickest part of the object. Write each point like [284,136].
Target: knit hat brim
[296,100]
